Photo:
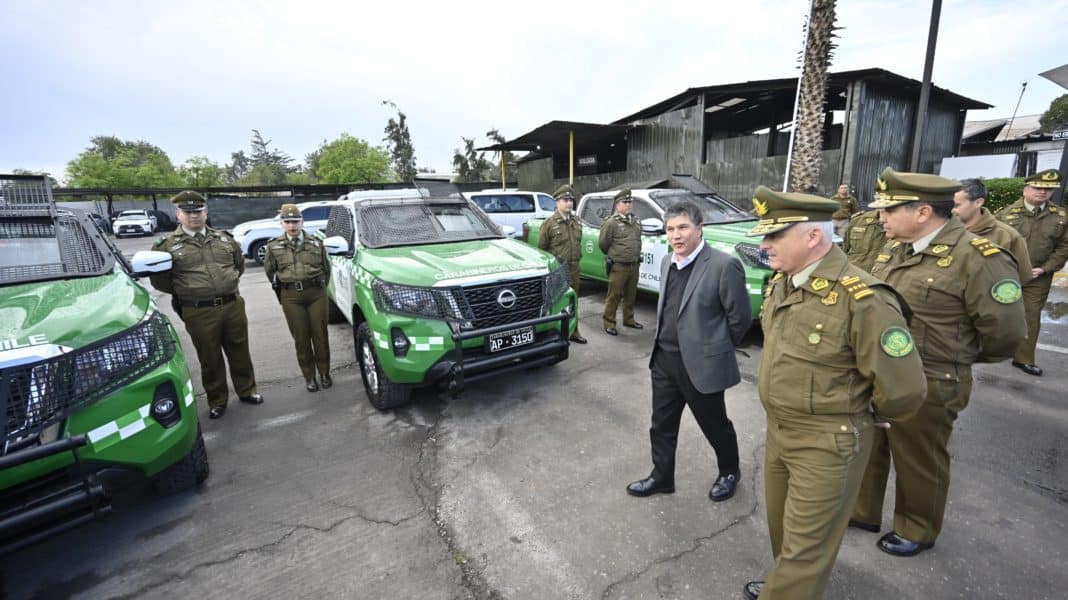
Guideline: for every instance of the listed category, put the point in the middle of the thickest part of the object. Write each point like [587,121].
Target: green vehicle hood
[440,264]
[732,232]
[71,312]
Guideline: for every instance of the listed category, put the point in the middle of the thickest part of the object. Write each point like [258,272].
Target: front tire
[383,393]
[185,474]
[259,252]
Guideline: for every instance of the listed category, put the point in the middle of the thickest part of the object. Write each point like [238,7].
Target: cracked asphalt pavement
[515,489]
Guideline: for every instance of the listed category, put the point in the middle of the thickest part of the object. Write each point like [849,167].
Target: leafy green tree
[1056,116]
[301,178]
[111,162]
[349,159]
[399,144]
[262,166]
[470,165]
[200,171]
[238,168]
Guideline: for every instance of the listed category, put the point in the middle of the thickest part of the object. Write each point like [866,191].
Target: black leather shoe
[611,331]
[217,412]
[864,526]
[752,589]
[1029,368]
[310,385]
[893,543]
[723,488]
[578,339]
[253,399]
[649,486]
[328,382]
[634,325]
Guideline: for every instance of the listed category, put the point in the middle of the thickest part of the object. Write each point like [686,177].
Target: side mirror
[508,231]
[336,245]
[652,226]
[145,262]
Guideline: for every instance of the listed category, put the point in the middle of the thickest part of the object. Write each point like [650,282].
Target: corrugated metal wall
[736,179]
[669,143]
[736,148]
[942,137]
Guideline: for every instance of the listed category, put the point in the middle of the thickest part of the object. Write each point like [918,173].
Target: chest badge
[814,338]
[830,299]
[819,284]
[945,261]
[940,249]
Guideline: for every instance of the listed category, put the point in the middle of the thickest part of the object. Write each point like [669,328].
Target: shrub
[1002,192]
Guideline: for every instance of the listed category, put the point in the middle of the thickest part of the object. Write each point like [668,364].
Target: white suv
[254,235]
[513,207]
[134,222]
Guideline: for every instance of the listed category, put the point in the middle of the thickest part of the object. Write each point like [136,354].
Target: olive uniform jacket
[835,348]
[965,296]
[205,266]
[621,238]
[714,315]
[1005,236]
[864,239]
[305,261]
[1046,232]
[561,238]
[849,206]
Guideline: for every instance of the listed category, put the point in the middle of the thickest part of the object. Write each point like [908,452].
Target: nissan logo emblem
[506,298]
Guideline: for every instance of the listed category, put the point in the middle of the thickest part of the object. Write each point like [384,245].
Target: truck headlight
[117,360]
[752,255]
[420,301]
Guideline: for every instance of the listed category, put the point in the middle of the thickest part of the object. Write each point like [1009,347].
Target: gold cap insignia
[761,208]
[880,184]
[939,249]
[1049,176]
[831,299]
[819,283]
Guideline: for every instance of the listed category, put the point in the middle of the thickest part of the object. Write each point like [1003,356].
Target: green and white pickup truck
[437,295]
[724,229]
[93,382]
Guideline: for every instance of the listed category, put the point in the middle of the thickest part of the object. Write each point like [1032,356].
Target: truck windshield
[403,225]
[42,249]
[713,208]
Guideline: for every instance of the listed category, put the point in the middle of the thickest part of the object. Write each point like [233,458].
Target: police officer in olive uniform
[298,268]
[838,357]
[864,239]
[968,206]
[621,243]
[964,294]
[1045,227]
[561,236]
[848,206]
[207,264]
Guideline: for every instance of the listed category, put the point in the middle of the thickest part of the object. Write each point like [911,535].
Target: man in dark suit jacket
[702,314]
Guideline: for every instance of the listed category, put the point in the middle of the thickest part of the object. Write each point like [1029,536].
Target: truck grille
[36,395]
[487,311]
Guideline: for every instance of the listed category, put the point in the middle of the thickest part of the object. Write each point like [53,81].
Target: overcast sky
[195,77]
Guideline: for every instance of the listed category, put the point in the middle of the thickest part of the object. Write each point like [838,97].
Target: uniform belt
[216,301]
[624,262]
[300,285]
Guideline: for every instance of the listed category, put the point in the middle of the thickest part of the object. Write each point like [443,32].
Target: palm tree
[804,164]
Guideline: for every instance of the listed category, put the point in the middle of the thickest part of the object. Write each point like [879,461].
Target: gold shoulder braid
[855,286]
[984,246]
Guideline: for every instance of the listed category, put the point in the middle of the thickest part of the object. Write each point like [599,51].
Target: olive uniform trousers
[215,331]
[1035,293]
[920,448]
[622,285]
[811,480]
[306,313]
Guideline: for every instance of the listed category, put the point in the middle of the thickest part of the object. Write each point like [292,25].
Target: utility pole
[925,90]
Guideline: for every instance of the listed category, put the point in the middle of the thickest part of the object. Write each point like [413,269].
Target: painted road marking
[1050,348]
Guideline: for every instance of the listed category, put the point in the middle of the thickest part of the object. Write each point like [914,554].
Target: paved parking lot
[515,489]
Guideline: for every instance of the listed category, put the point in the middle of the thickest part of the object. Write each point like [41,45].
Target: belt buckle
[217,301]
[299,286]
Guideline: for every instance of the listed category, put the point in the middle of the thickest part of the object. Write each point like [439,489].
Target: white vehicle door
[654,247]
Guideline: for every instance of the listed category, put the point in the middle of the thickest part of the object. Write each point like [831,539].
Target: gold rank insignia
[945,261]
[819,283]
[895,245]
[858,288]
[761,208]
[983,245]
[778,276]
[940,249]
[831,299]
[882,258]
[1006,291]
[870,220]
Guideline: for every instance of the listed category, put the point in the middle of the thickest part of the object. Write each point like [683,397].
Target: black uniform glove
[177,306]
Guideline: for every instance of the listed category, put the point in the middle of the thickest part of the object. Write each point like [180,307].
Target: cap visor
[766,228]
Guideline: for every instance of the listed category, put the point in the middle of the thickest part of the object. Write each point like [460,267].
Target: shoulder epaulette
[856,287]
[984,246]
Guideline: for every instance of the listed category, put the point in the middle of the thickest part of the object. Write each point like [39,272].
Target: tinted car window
[546,202]
[316,213]
[505,203]
[713,208]
[596,210]
[642,210]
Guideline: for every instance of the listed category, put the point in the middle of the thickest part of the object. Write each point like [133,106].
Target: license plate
[510,339]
